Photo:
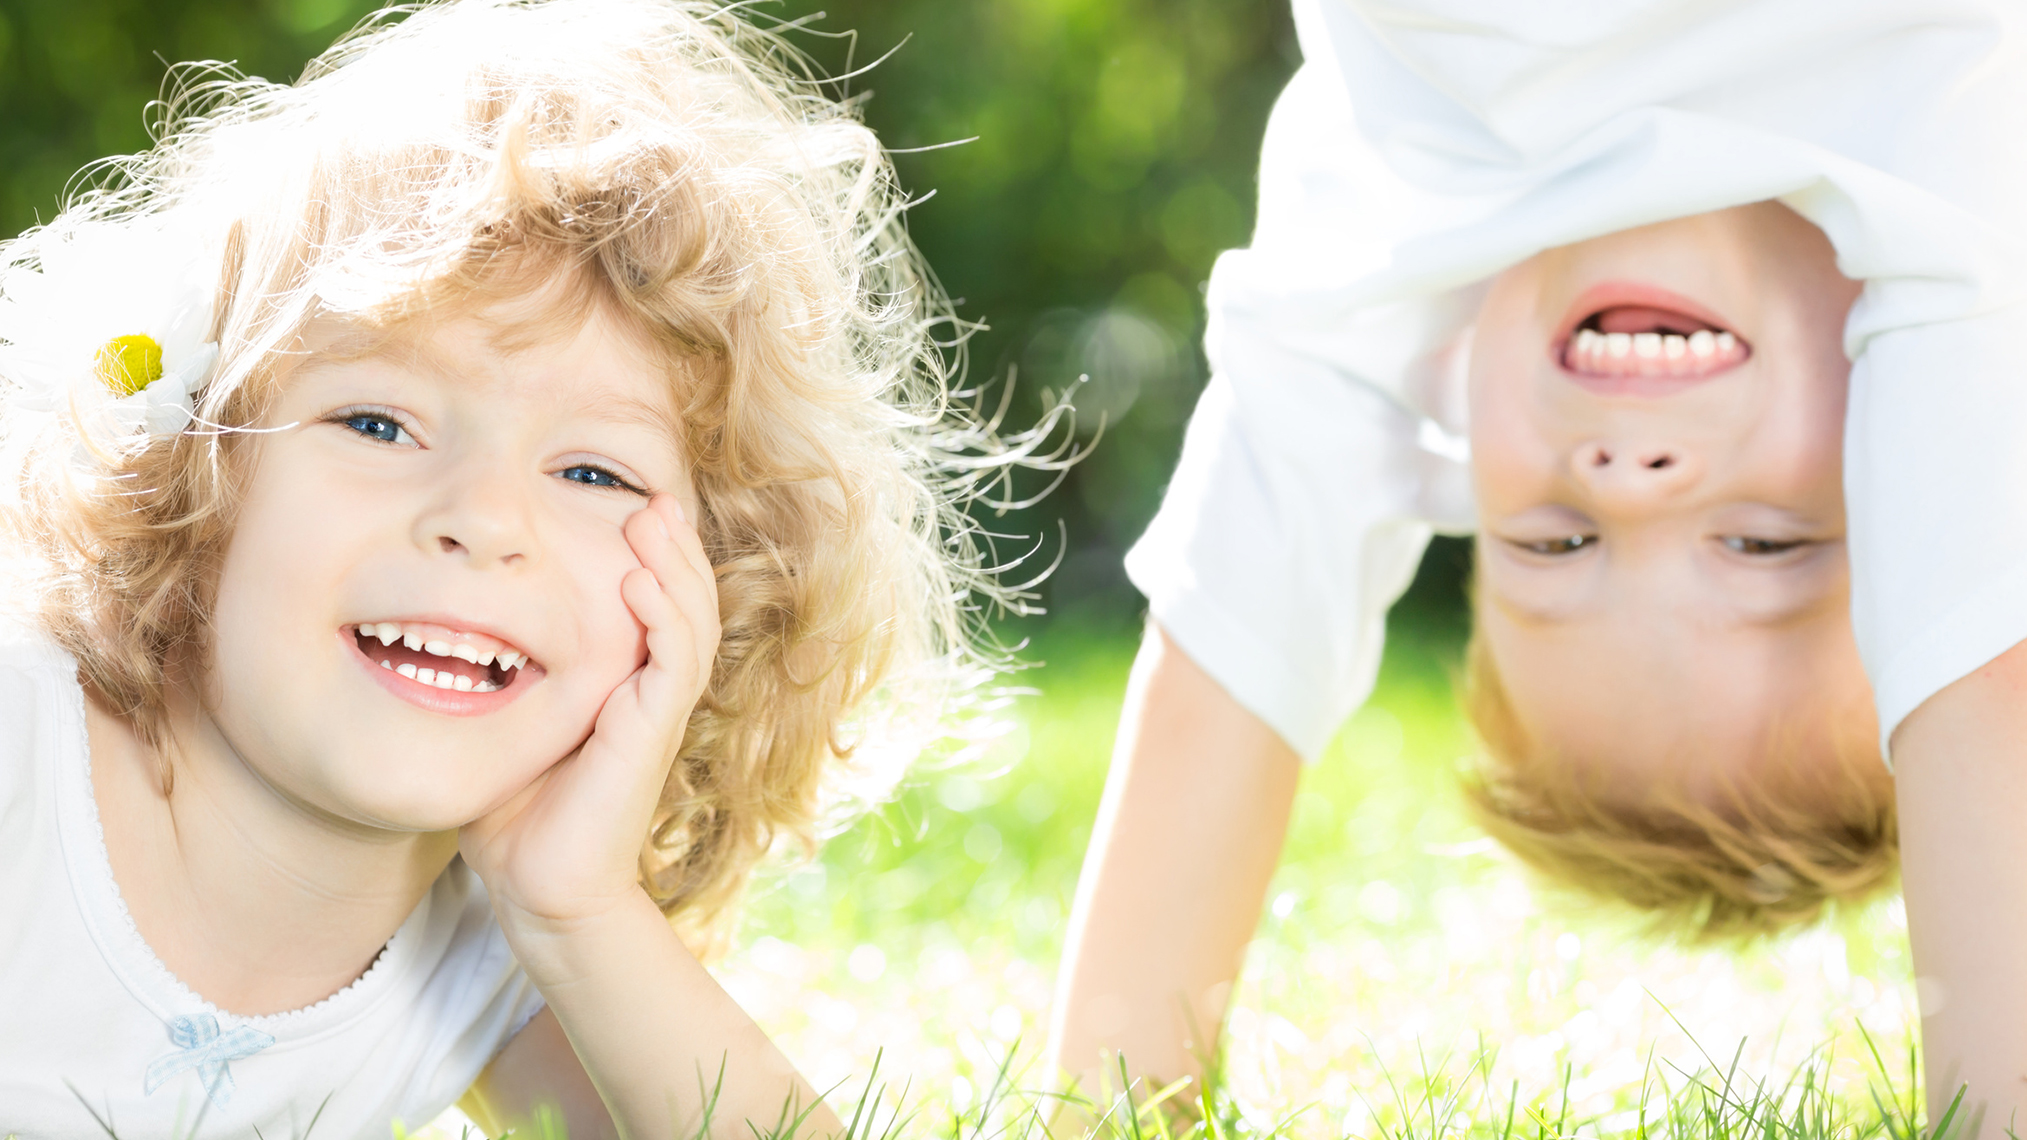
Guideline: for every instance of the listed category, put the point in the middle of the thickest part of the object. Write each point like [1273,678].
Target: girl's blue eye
[375,426]
[595,477]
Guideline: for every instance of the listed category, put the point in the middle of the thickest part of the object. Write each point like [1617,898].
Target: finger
[674,578]
[659,550]
[687,538]
[678,666]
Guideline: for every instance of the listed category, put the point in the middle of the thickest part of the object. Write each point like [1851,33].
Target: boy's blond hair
[666,160]
[1771,854]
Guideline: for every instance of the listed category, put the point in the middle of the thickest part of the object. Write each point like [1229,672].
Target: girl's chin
[408,806]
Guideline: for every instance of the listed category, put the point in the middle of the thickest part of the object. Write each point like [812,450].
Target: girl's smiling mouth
[440,668]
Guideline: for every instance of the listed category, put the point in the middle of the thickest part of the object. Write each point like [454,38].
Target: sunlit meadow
[1397,946]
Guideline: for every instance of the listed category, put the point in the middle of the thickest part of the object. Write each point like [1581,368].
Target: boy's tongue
[1643,318]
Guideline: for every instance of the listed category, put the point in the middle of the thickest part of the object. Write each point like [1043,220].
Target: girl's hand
[565,851]
[562,862]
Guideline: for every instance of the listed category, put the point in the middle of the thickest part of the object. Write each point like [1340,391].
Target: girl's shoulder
[41,703]
[29,657]
[41,728]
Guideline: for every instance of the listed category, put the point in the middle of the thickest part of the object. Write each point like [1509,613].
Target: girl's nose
[480,520]
[1631,474]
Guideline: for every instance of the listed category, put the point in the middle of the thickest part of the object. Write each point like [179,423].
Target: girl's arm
[625,1003]
[1195,808]
[665,1048]
[1960,775]
[538,1070]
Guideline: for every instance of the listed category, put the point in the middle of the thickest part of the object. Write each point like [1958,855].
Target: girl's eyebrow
[630,411]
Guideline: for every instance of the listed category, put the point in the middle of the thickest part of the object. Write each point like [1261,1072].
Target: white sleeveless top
[95,1032]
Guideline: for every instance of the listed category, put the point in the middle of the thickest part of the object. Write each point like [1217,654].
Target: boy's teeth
[445,680]
[426,676]
[462,683]
[1619,344]
[485,658]
[406,669]
[465,653]
[1674,347]
[1702,343]
[485,687]
[1647,344]
[412,640]
[387,664]
[511,660]
[436,648]
[387,632]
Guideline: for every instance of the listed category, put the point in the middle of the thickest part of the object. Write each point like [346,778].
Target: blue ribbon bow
[200,1046]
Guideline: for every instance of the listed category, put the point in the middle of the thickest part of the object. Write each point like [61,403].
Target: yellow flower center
[128,364]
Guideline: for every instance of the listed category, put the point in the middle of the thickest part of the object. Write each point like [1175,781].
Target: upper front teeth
[1698,348]
[388,633]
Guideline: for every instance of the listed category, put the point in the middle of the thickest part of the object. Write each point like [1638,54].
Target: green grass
[1407,981]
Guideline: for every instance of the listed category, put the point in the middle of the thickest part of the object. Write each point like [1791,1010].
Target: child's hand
[566,849]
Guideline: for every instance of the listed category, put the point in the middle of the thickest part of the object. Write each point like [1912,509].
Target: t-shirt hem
[1254,676]
[1975,631]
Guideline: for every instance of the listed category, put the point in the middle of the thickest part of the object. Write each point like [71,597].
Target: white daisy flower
[113,325]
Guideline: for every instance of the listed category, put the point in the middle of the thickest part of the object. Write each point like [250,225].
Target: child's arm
[1187,838]
[1960,775]
[650,1026]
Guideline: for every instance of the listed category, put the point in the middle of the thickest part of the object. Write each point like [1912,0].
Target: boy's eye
[592,476]
[1568,544]
[1760,547]
[376,426]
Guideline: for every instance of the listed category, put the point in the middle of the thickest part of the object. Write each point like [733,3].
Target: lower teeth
[444,679]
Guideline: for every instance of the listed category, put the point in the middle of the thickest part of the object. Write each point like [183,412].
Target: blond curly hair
[1765,857]
[687,169]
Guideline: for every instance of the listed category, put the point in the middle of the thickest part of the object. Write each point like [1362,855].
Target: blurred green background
[1114,154]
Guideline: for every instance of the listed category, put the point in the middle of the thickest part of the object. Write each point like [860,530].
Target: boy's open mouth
[1648,340]
[441,657]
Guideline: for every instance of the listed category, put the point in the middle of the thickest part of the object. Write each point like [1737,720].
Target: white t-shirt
[1426,145]
[92,1025]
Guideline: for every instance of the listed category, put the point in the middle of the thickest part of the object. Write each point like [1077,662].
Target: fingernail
[681,515]
[661,524]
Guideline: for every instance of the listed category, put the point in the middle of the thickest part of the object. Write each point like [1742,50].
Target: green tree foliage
[1112,155]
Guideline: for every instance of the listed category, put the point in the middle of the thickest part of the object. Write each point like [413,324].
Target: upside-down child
[464,503]
[1648,299]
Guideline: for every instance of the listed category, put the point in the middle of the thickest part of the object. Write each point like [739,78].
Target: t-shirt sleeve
[1275,554]
[1938,504]
[1325,450]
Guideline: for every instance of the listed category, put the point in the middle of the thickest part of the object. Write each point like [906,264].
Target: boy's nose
[1633,473]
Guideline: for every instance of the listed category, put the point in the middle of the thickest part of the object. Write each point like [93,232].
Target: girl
[470,505]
